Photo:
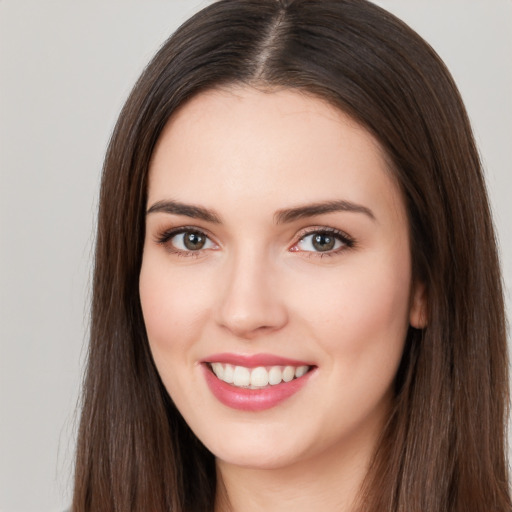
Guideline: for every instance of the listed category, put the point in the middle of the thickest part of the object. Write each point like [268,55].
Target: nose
[252,300]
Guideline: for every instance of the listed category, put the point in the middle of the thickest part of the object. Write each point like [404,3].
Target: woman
[297,297]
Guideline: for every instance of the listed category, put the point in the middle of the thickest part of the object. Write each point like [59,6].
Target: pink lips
[253,399]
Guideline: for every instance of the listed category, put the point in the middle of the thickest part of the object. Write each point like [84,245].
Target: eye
[186,240]
[323,241]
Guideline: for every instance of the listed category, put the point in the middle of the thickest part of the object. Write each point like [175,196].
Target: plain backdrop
[66,66]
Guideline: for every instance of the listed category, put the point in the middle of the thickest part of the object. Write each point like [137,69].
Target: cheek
[365,314]
[172,306]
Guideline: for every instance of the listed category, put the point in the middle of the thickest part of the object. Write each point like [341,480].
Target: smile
[259,377]
[255,383]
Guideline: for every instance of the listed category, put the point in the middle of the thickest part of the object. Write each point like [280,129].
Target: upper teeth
[257,377]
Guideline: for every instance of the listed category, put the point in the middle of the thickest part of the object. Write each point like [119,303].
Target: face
[276,277]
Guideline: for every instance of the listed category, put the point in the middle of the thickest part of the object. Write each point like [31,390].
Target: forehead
[244,144]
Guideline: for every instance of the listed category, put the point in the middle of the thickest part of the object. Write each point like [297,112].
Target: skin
[260,286]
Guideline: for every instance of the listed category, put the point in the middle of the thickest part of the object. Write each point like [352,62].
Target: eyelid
[164,236]
[347,241]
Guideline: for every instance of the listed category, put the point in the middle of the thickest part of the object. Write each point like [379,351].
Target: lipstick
[256,382]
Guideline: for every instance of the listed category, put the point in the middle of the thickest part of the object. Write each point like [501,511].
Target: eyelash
[347,241]
[166,236]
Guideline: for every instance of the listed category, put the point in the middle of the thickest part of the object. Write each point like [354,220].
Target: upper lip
[254,360]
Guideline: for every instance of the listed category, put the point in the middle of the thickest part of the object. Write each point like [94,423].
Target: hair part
[443,448]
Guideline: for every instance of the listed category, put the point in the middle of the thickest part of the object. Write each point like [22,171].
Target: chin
[264,446]
[256,457]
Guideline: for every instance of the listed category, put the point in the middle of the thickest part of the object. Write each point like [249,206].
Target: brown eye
[184,241]
[193,241]
[323,242]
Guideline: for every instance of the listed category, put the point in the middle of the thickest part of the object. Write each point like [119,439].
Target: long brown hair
[443,447]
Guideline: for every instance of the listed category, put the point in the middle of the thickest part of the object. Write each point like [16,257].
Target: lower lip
[253,399]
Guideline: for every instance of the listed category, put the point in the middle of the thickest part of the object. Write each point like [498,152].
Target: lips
[259,377]
[254,383]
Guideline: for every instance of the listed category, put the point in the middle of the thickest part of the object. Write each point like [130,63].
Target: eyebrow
[188,210]
[281,216]
[310,210]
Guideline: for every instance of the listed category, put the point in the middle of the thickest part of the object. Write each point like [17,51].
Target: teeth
[259,377]
[300,371]
[228,374]
[275,375]
[241,376]
[218,369]
[288,373]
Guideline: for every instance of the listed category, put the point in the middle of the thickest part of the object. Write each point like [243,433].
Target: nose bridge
[251,302]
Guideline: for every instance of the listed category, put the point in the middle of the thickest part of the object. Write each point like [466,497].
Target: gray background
[66,66]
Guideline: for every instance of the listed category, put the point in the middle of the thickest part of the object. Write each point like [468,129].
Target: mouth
[255,383]
[260,377]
